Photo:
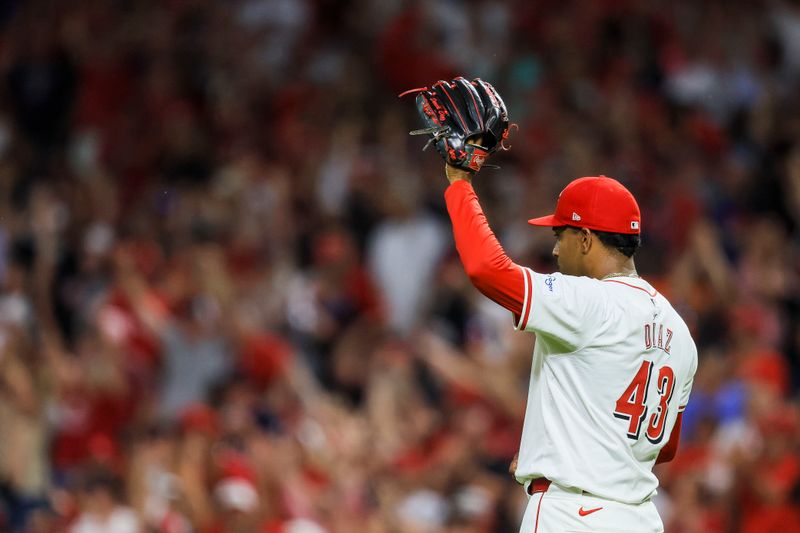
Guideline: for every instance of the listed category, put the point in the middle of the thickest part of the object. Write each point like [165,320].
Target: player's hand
[512,468]
[454,173]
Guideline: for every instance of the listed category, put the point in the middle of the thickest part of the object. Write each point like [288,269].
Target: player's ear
[585,240]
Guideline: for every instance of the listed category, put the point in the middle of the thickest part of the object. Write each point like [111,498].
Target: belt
[540,484]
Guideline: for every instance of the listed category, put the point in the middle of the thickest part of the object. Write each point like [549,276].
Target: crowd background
[230,301]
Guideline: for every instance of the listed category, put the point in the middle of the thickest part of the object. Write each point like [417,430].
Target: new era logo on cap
[634,224]
[575,216]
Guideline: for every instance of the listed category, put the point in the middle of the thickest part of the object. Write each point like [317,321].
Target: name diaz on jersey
[657,336]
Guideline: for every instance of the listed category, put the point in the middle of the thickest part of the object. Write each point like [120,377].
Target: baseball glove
[467,121]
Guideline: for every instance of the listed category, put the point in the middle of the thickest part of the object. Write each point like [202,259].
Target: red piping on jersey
[524,323]
[538,509]
[653,295]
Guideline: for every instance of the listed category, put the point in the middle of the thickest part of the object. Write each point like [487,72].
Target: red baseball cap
[596,202]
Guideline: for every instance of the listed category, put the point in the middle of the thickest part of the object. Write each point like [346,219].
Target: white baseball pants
[562,510]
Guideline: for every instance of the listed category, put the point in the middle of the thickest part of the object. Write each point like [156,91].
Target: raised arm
[484,260]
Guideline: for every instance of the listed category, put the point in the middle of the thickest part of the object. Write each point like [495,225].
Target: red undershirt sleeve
[484,260]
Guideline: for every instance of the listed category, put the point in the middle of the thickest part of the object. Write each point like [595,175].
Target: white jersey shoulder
[612,366]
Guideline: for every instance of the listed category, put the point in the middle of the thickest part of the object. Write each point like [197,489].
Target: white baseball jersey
[612,367]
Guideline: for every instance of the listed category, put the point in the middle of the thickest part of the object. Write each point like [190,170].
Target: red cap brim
[548,221]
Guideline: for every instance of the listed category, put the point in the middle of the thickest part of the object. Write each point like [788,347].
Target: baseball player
[613,362]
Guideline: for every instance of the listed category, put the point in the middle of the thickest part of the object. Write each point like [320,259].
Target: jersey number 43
[632,405]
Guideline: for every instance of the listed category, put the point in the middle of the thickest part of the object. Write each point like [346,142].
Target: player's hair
[624,243]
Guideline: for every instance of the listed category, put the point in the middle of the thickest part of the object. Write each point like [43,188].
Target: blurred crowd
[229,299]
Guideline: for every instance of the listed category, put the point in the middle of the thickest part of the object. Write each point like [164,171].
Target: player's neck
[612,266]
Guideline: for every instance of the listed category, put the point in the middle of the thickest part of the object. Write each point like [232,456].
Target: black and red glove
[467,121]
